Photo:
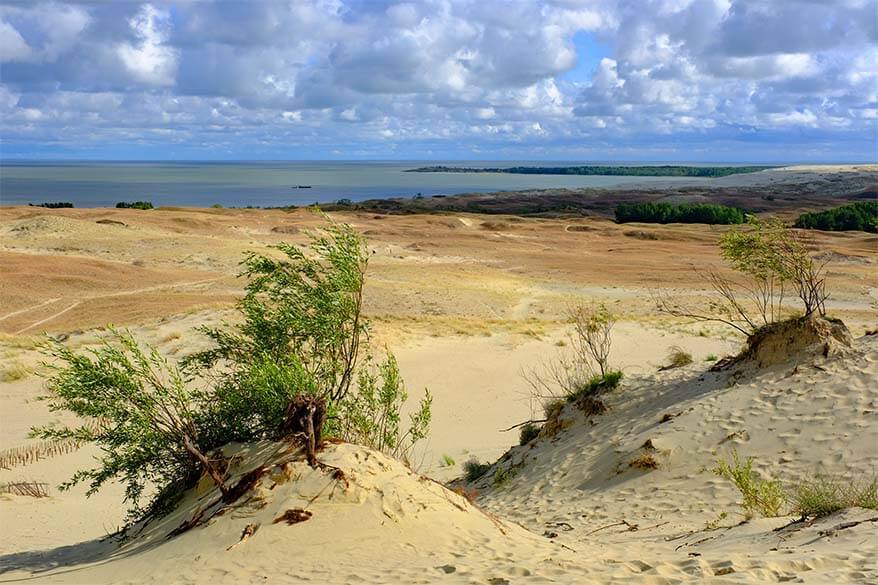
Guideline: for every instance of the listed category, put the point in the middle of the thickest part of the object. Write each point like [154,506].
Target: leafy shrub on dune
[771,261]
[300,339]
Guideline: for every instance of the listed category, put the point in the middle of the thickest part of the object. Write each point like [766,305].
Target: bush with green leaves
[760,496]
[135,407]
[770,258]
[301,332]
[371,414]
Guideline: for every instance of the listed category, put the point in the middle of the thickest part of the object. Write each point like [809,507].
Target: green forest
[861,216]
[651,212]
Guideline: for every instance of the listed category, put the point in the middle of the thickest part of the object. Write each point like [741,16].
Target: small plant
[503,475]
[447,461]
[528,433]
[473,470]
[711,358]
[715,523]
[217,206]
[677,358]
[576,367]
[14,373]
[823,495]
[644,461]
[595,385]
[765,497]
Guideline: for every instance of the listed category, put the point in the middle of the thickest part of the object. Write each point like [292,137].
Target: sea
[269,183]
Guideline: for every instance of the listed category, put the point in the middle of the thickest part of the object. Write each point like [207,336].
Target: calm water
[96,184]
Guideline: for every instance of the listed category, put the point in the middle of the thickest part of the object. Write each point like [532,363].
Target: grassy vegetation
[594,385]
[861,216]
[528,433]
[677,358]
[823,495]
[503,475]
[652,212]
[446,461]
[14,372]
[473,470]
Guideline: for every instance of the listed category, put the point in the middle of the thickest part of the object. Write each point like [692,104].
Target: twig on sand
[845,525]
[521,424]
[248,531]
[631,527]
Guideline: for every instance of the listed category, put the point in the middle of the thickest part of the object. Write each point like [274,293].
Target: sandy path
[102,296]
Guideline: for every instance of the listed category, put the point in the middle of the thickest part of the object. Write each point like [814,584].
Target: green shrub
[765,497]
[861,216]
[371,414]
[711,358]
[823,495]
[473,470]
[653,212]
[447,461]
[300,331]
[528,433]
[145,415]
[134,205]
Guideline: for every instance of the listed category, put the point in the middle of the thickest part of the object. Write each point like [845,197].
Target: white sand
[391,526]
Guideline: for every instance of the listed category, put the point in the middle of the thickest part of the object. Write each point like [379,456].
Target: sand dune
[467,303]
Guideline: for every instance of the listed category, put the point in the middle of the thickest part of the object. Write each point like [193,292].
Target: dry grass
[644,461]
[677,358]
[14,372]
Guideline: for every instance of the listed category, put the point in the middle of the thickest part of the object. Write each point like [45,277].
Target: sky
[587,80]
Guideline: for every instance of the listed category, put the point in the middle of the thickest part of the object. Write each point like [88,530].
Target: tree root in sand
[293,516]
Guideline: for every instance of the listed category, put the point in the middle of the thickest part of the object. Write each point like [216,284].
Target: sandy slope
[585,516]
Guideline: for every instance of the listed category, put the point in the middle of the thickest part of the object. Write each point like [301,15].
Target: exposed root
[293,516]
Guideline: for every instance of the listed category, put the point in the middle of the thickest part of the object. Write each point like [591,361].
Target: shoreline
[816,181]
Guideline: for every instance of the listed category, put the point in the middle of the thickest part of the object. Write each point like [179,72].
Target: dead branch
[521,424]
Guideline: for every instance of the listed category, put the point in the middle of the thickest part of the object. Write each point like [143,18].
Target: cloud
[149,60]
[454,76]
